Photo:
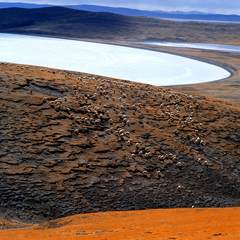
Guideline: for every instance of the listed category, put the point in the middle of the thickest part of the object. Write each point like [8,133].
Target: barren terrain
[73,143]
[174,224]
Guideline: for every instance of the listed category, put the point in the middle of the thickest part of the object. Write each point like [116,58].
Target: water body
[205,46]
[201,20]
[107,60]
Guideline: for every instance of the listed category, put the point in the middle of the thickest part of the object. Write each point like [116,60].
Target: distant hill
[62,21]
[177,15]
[21,5]
[121,11]
[159,14]
[67,22]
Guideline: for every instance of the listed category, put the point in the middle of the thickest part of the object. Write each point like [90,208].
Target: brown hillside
[73,143]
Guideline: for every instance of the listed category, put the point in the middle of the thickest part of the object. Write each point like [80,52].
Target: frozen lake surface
[205,46]
[107,60]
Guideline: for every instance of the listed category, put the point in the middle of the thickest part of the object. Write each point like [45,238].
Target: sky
[215,6]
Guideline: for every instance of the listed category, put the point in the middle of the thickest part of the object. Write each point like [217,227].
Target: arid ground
[181,224]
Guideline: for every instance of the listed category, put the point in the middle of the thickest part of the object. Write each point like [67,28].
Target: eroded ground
[74,143]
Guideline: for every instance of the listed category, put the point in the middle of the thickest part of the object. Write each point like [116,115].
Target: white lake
[204,46]
[107,60]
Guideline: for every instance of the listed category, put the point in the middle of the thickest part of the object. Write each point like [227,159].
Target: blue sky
[222,6]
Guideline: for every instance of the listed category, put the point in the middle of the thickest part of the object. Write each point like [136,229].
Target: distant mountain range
[188,16]
[22,5]
[160,14]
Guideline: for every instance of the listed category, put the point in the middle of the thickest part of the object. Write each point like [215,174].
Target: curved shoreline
[226,67]
[140,46]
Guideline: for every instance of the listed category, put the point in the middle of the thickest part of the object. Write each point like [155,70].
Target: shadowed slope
[65,22]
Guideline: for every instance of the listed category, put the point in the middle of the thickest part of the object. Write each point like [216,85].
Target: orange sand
[184,224]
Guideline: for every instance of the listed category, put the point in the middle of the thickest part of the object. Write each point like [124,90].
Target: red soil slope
[181,224]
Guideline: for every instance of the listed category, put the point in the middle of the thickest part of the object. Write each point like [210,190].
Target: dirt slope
[73,143]
[181,224]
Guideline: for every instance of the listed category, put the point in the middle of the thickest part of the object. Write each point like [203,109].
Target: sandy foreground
[178,224]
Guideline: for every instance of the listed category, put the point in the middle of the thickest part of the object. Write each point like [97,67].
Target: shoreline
[142,46]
